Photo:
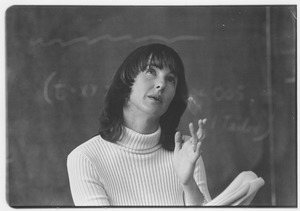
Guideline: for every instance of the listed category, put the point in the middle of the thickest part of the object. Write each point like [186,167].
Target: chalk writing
[57,90]
[60,90]
[227,122]
[197,98]
[46,87]
[108,37]
[221,94]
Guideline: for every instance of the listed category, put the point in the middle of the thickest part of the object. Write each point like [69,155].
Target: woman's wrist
[189,185]
[193,196]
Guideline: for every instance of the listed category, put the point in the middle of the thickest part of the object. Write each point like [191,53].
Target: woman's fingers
[201,134]
[197,137]
[178,141]
[198,151]
[194,135]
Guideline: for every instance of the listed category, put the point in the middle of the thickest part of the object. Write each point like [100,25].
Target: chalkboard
[60,61]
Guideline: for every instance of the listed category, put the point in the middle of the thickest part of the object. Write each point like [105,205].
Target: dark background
[240,67]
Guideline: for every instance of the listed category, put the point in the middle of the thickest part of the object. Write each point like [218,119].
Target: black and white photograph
[151,106]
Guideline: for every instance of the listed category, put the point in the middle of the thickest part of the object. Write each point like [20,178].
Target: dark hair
[111,119]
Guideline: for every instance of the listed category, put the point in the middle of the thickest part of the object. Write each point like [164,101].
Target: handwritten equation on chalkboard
[56,90]
[62,90]
[227,121]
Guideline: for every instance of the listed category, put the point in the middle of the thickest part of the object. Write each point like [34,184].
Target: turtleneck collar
[137,141]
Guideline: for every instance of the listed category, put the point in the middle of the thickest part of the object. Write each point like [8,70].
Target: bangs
[158,59]
[156,55]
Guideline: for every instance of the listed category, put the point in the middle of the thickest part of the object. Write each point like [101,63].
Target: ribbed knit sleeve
[85,184]
[200,178]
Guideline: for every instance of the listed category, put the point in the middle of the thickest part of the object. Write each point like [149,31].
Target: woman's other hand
[187,151]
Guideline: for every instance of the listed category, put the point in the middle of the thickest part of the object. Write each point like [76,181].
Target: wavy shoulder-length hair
[111,118]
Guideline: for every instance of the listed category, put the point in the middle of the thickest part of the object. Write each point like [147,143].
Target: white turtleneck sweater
[135,171]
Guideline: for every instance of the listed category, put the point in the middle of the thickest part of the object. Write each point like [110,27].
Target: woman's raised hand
[187,151]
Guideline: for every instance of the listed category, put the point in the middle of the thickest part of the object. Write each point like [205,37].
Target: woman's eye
[150,71]
[172,80]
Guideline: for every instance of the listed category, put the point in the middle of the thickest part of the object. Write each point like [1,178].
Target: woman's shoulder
[89,147]
[94,152]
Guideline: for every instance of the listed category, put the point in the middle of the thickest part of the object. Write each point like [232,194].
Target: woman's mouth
[156,98]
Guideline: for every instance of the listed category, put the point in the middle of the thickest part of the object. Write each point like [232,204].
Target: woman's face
[152,91]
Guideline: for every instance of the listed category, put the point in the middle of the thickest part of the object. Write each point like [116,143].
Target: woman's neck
[140,123]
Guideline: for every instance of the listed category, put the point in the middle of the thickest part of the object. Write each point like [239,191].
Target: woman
[138,158]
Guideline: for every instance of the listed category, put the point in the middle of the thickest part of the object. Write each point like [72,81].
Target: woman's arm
[85,184]
[186,154]
[201,180]
[192,194]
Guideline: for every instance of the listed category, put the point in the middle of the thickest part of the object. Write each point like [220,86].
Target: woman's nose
[160,84]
